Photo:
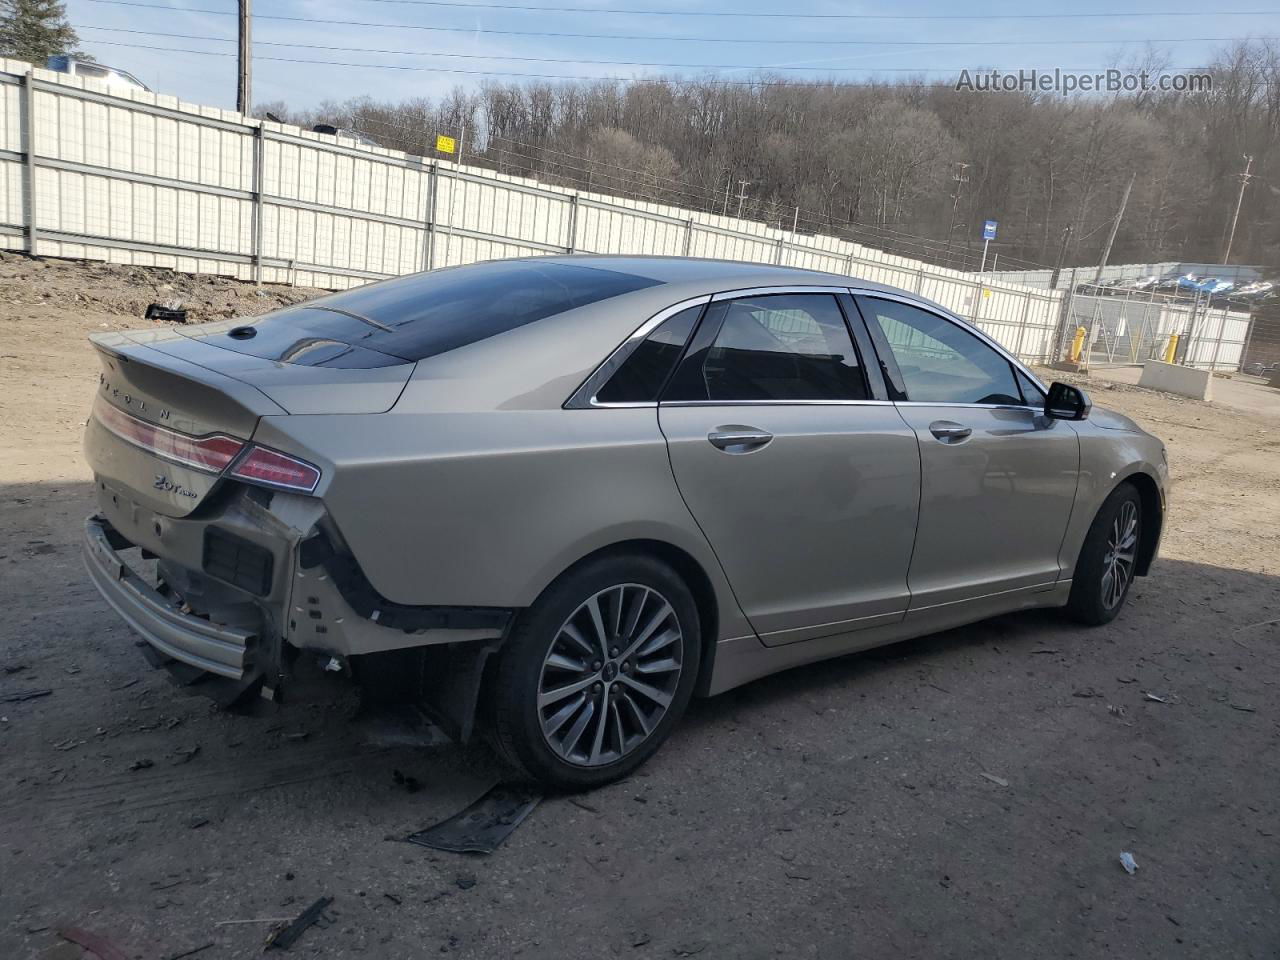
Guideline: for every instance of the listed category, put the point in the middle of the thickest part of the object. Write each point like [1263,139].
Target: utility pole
[1244,182]
[1115,226]
[742,195]
[453,192]
[1062,256]
[960,178]
[244,80]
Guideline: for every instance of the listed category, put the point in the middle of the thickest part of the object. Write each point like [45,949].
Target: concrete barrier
[1175,378]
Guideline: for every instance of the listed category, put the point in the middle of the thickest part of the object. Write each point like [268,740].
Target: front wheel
[597,672]
[1108,559]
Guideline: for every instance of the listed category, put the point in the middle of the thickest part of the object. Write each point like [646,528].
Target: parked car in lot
[565,494]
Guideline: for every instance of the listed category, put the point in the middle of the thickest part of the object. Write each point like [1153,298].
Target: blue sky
[884,49]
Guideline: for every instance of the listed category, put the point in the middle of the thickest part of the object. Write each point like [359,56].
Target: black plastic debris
[158,311]
[485,824]
[285,937]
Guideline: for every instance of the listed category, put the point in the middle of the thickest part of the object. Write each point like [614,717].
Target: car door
[998,478]
[805,483]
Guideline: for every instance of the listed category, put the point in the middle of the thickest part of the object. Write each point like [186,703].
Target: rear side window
[428,314]
[783,347]
[641,376]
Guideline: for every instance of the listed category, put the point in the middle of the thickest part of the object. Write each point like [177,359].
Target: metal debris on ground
[22,695]
[994,779]
[1130,865]
[485,824]
[1152,696]
[286,936]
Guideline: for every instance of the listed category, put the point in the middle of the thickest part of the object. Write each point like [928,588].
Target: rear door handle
[736,439]
[949,431]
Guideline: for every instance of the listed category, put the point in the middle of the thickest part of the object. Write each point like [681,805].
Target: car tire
[532,731]
[1108,559]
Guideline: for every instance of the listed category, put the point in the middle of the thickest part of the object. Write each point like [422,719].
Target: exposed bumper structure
[221,650]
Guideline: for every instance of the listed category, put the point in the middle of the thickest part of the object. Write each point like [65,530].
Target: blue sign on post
[989,230]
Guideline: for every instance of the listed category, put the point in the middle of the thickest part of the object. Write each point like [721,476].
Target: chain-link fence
[1129,327]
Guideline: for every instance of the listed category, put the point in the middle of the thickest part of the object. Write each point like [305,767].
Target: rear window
[432,313]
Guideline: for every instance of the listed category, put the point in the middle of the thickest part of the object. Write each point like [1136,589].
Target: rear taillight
[211,453]
[274,469]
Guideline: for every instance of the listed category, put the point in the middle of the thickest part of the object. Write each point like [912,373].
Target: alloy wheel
[1118,561]
[610,674]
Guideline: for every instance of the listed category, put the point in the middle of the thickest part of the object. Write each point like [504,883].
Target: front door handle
[737,439]
[949,431]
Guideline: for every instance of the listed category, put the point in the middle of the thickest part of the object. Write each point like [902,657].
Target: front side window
[939,361]
[781,347]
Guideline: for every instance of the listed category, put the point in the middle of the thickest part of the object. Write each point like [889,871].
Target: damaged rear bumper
[222,650]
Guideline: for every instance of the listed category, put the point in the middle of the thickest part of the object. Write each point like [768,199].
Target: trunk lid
[167,390]
[141,390]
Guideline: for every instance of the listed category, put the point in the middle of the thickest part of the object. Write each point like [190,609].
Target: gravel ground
[963,795]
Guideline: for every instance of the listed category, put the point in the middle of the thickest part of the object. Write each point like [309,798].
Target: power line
[832,16]
[606,36]
[674,81]
[610,63]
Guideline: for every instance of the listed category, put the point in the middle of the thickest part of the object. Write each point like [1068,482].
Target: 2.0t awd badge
[168,486]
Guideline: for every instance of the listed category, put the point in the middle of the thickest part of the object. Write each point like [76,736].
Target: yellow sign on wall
[446,144]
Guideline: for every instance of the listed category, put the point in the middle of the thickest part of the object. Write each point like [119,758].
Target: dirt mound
[126,291]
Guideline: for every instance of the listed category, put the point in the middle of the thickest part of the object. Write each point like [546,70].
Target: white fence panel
[141,178]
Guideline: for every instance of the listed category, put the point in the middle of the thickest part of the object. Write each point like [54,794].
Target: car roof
[538,365]
[679,270]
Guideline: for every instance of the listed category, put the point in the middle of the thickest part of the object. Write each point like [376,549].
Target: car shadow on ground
[68,632]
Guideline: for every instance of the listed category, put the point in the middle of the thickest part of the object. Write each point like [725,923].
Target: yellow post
[1171,350]
[1077,345]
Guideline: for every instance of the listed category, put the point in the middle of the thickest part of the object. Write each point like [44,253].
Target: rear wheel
[1108,559]
[597,672]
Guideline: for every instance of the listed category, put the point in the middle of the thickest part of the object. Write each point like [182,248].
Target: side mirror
[1066,402]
